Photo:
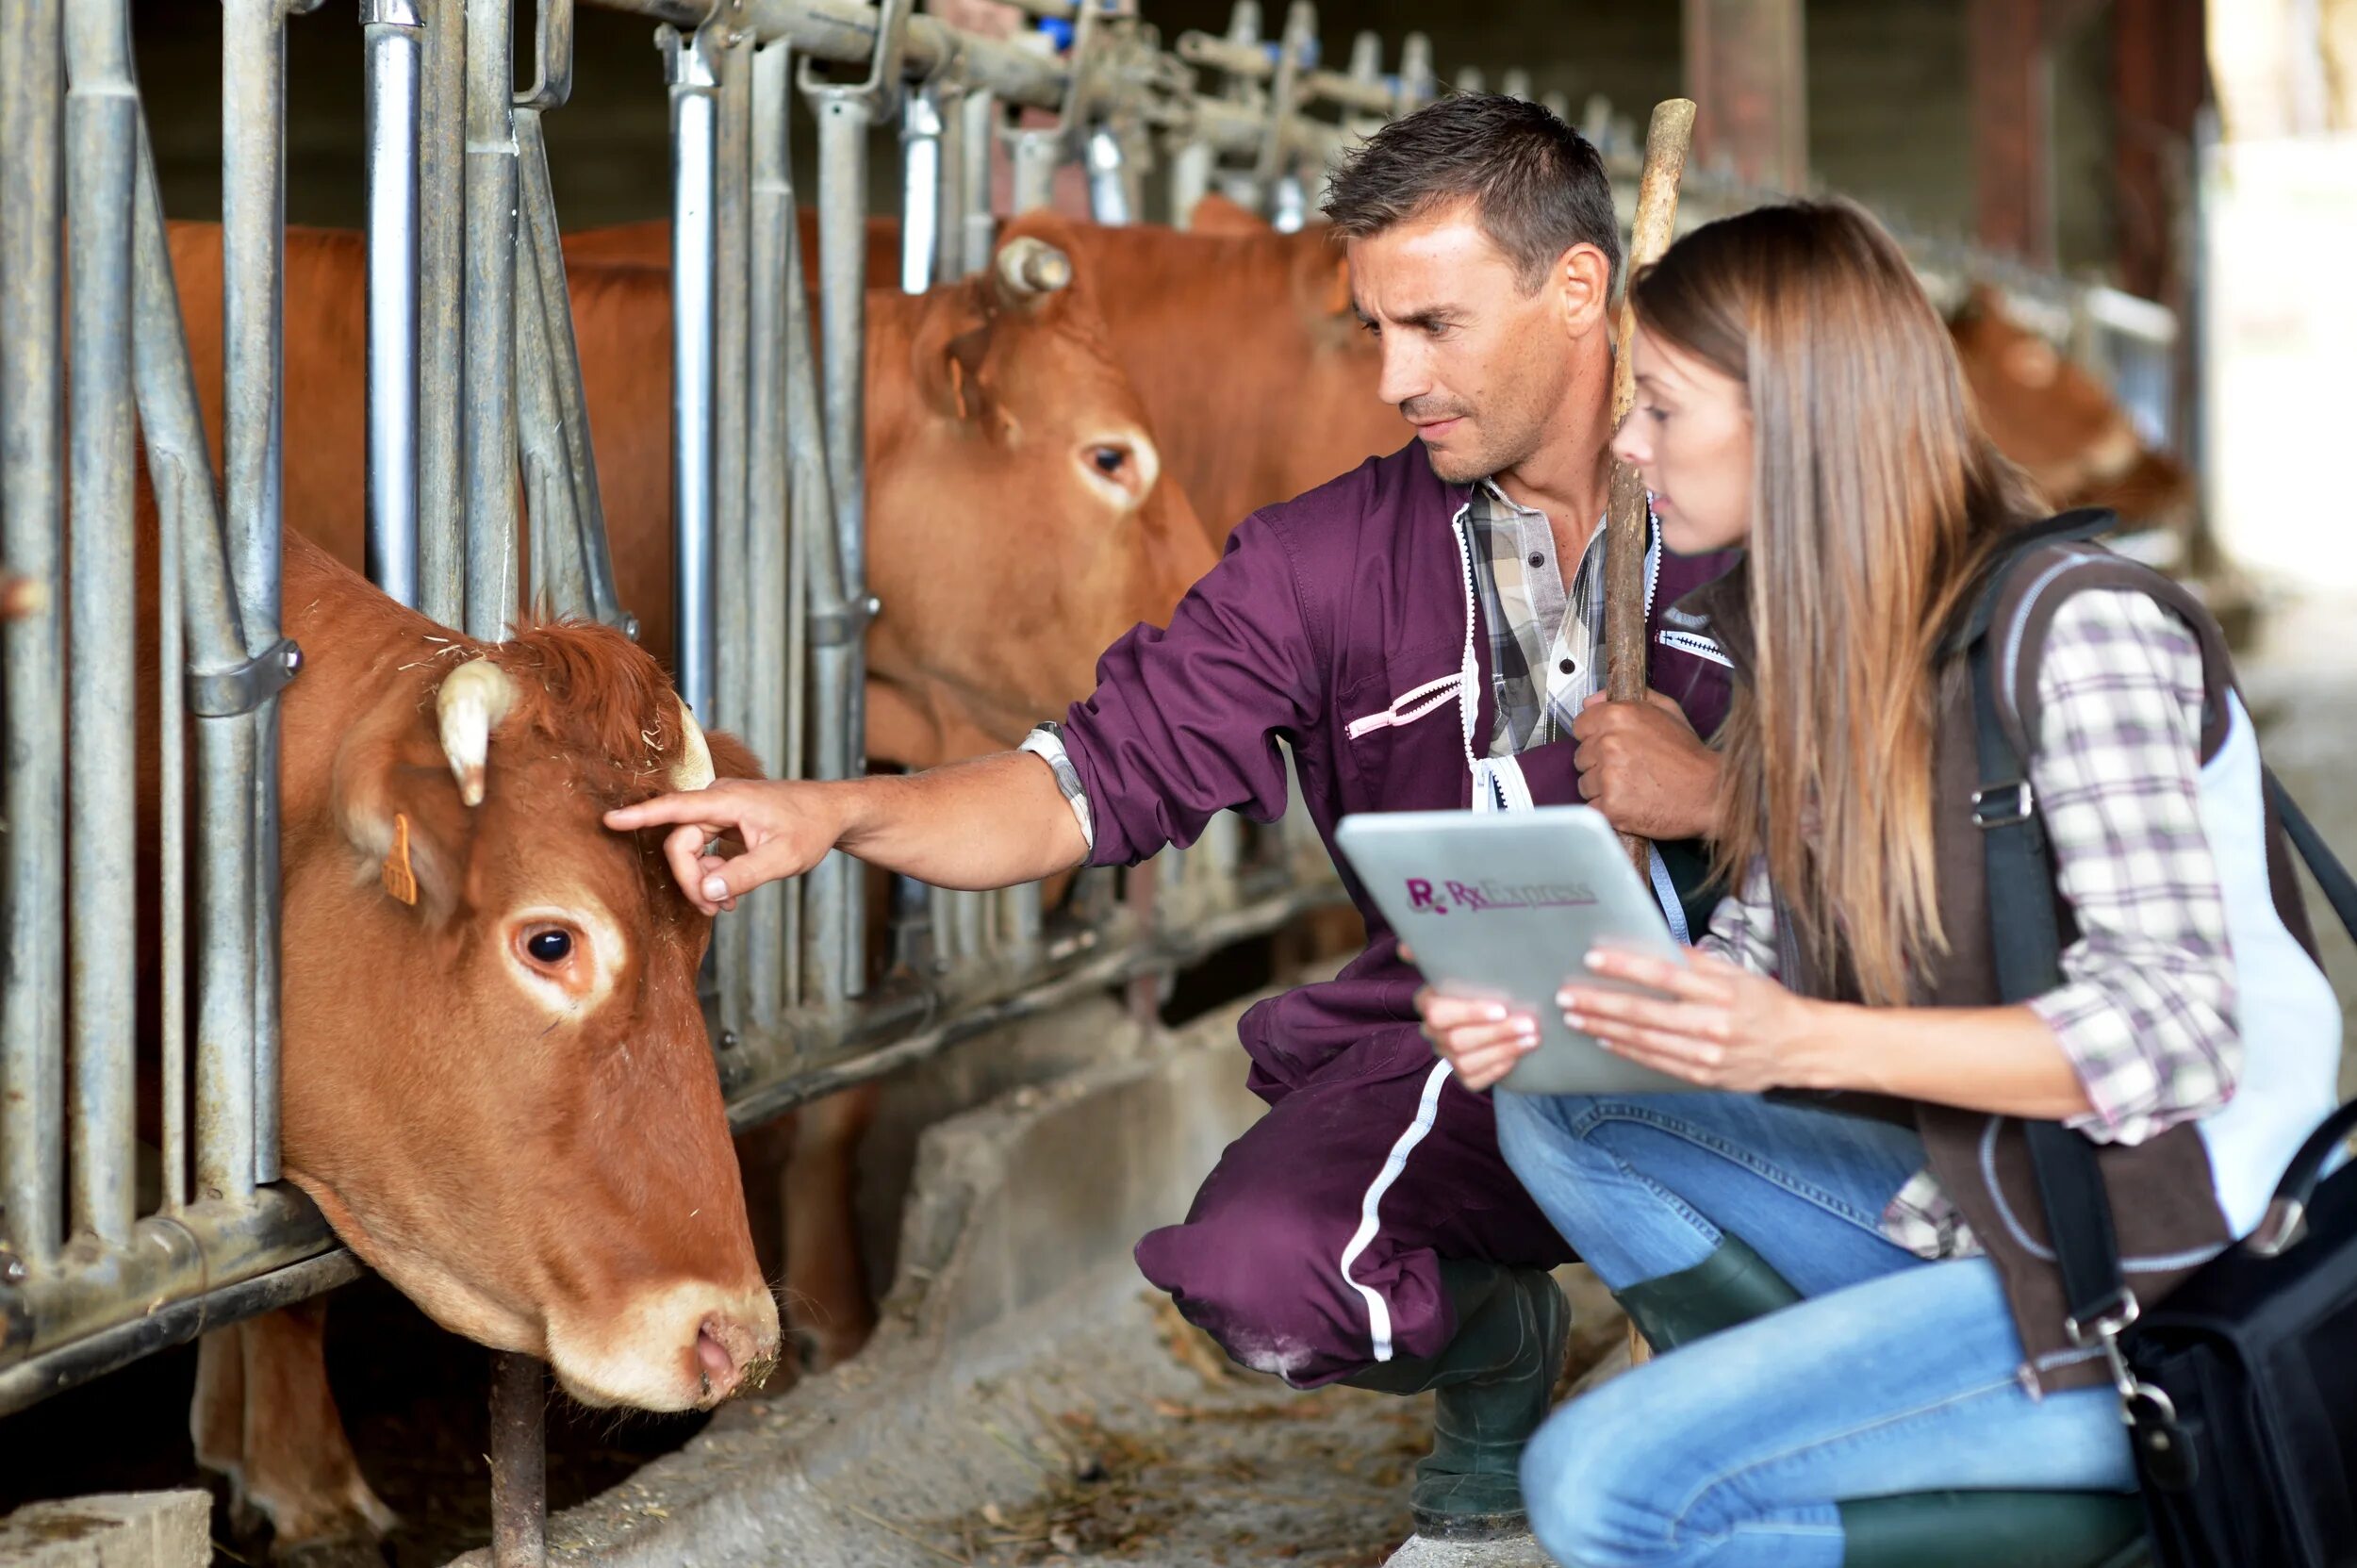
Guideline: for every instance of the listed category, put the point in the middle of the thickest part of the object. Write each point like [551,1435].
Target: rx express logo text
[1481,898]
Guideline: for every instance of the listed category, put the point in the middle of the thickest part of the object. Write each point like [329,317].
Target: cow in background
[2062,425]
[1253,371]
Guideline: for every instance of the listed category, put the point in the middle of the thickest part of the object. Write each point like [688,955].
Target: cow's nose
[735,1347]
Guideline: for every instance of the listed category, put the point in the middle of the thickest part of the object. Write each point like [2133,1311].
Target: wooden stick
[1667,142]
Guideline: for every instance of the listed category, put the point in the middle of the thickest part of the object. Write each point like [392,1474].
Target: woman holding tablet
[1861,1311]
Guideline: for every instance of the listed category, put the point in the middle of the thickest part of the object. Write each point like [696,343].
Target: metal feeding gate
[475,423]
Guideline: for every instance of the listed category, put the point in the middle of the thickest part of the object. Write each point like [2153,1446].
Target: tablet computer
[1506,905]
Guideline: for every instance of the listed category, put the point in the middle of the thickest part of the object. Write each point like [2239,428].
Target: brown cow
[496,1083]
[2055,420]
[1254,372]
[1016,526]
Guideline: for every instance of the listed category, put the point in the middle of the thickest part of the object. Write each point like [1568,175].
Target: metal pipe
[520,1460]
[769,245]
[921,188]
[441,327]
[956,198]
[556,582]
[395,49]
[171,726]
[1108,182]
[1038,153]
[102,131]
[694,130]
[180,467]
[32,1041]
[979,235]
[732,592]
[540,286]
[488,377]
[1190,181]
[242,1087]
[844,116]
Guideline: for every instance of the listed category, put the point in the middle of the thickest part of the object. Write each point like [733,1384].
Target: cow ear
[411,834]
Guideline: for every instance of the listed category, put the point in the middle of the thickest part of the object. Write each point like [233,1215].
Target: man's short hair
[1538,186]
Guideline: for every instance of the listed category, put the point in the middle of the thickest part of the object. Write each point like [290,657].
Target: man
[1423,632]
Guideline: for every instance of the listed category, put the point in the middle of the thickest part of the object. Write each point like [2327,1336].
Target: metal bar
[180,468]
[956,197]
[395,63]
[558,581]
[542,285]
[171,728]
[489,377]
[769,244]
[441,328]
[32,1040]
[102,131]
[240,1089]
[922,206]
[170,1258]
[694,129]
[1190,181]
[520,1460]
[980,235]
[112,1350]
[843,123]
[732,592]
[1038,153]
[1108,182]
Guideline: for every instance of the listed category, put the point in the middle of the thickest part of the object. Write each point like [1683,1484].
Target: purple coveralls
[1314,1247]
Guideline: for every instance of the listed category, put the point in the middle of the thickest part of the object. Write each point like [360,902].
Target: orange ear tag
[400,881]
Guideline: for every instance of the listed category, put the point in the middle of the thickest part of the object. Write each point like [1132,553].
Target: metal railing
[476,423]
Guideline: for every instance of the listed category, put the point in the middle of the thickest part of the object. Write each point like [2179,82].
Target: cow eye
[550,946]
[1109,459]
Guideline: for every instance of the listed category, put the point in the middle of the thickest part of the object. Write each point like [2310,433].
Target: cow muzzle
[687,1346]
[1028,268]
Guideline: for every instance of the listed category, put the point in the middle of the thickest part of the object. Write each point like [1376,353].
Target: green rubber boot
[1733,1286]
[1490,1393]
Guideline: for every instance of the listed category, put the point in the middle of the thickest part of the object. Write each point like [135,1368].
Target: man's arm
[991,822]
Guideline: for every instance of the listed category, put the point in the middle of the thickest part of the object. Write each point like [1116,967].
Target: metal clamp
[886,65]
[551,57]
[835,627]
[243,687]
[390,13]
[2002,806]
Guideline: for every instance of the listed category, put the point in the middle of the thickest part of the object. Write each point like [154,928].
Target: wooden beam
[2159,82]
[1746,69]
[2006,49]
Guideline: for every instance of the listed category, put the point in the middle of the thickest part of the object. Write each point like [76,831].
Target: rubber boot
[1993,1530]
[1490,1393]
[1733,1286]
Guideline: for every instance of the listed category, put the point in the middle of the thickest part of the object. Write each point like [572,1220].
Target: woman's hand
[1482,1040]
[1724,1027]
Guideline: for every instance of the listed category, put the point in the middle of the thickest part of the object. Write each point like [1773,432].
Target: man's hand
[1642,765]
[785,827]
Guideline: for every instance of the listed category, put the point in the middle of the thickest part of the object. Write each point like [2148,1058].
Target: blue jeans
[1894,1376]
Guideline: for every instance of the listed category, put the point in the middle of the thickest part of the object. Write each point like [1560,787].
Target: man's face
[1476,363]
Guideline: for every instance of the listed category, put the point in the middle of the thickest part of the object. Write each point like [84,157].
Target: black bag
[2240,1387]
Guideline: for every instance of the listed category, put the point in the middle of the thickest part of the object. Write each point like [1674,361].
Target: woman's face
[1690,434]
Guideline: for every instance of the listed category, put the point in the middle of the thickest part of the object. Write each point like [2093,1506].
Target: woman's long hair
[1874,496]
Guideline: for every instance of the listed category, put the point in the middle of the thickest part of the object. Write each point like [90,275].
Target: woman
[1862,1311]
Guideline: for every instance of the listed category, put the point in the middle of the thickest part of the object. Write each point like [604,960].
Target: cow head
[1019,519]
[498,1084]
[2059,424]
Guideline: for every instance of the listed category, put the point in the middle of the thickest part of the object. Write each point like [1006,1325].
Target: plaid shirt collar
[1546,643]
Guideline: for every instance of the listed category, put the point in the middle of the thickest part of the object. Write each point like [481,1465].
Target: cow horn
[473,699]
[694,769]
[1029,267]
